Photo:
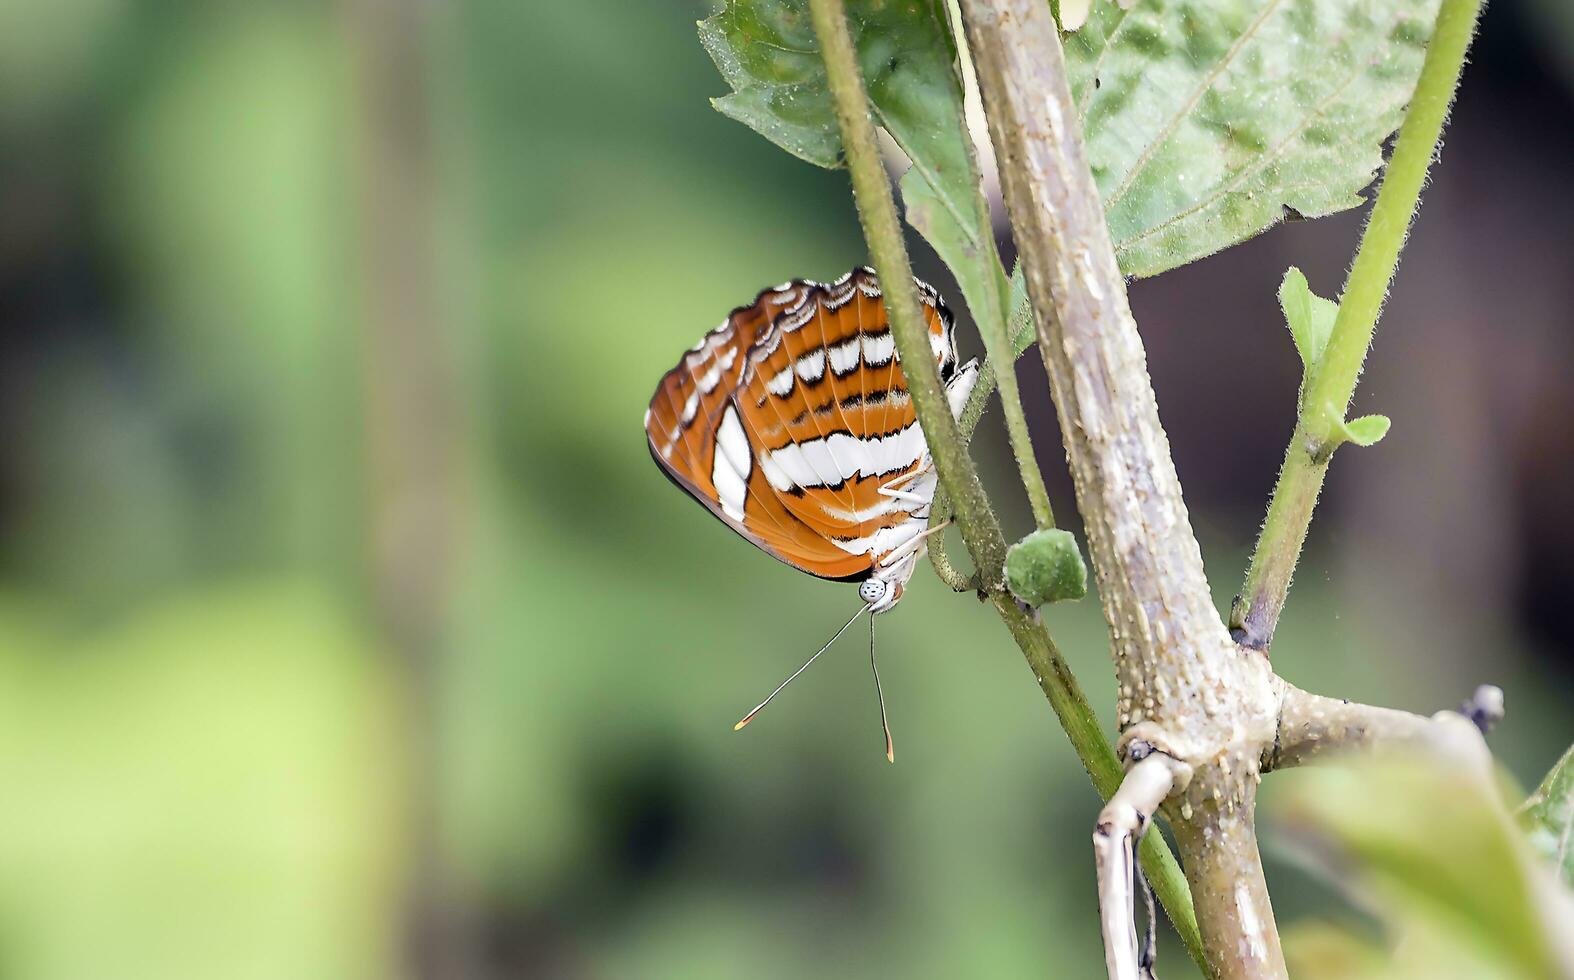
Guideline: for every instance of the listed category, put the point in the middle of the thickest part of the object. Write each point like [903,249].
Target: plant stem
[1226,875]
[1172,653]
[1103,766]
[888,250]
[1332,383]
[1002,358]
[980,529]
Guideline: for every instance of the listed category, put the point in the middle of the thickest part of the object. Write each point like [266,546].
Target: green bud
[1046,566]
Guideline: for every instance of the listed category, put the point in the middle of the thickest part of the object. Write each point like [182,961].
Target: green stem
[1002,358]
[1320,428]
[976,519]
[1103,767]
[888,250]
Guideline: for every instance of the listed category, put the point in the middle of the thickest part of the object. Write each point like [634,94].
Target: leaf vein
[1191,102]
[1243,174]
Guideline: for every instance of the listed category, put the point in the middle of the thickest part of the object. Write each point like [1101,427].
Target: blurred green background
[347,630]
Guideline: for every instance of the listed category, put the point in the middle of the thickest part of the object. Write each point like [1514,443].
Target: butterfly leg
[893,490]
[911,545]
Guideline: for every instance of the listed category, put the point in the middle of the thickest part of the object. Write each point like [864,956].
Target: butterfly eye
[872,590]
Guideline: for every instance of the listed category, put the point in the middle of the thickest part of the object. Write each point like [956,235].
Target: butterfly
[791,422]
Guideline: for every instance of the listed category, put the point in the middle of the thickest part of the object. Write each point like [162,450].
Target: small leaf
[1046,566]
[1548,817]
[766,50]
[1206,123]
[1366,430]
[1309,317]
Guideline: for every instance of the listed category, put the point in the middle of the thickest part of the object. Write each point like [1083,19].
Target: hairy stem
[980,529]
[1002,358]
[888,250]
[1332,383]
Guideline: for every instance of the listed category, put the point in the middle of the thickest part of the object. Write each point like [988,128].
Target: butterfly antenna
[759,707]
[890,750]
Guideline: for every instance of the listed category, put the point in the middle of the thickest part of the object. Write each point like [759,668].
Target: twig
[1313,727]
[980,529]
[877,212]
[1331,383]
[1124,820]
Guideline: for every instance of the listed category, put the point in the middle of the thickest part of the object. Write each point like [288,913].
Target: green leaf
[974,263]
[1548,817]
[1046,566]
[767,52]
[1437,857]
[1309,316]
[1023,328]
[1366,430]
[1207,121]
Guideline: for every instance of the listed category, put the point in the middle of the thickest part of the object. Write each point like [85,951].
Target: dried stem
[1125,819]
[1331,383]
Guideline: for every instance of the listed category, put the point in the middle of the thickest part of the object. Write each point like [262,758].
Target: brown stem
[1187,689]
[1313,727]
[979,527]
[1218,846]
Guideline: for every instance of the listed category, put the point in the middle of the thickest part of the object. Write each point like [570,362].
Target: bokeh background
[347,630]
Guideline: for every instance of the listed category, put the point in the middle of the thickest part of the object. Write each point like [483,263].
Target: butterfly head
[879,594]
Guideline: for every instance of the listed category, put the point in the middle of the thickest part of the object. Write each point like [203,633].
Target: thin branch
[888,250]
[1320,429]
[980,529]
[1019,330]
[1103,765]
[1313,727]
[993,329]
[1123,821]
[992,294]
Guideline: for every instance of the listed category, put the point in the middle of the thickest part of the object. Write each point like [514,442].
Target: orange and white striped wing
[789,419]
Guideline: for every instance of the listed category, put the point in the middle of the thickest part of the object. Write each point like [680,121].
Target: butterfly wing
[788,419]
[695,434]
[826,405]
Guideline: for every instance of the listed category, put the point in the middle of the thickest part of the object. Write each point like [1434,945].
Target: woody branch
[1186,689]
[980,529]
